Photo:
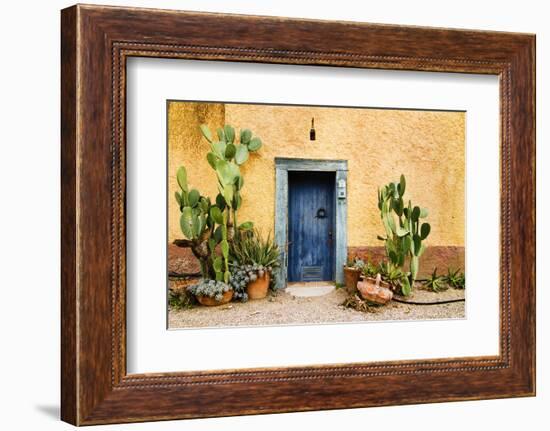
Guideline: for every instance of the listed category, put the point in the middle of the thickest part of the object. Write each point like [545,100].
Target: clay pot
[351,277]
[208,301]
[375,290]
[257,289]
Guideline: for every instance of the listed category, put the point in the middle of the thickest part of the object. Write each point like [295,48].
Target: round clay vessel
[258,288]
[208,301]
[375,290]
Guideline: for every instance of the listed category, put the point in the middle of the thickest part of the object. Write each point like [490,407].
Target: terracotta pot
[375,290]
[257,289]
[351,277]
[208,301]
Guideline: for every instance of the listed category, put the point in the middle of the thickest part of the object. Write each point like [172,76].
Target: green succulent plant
[435,282]
[179,300]
[455,279]
[355,263]
[405,231]
[209,227]
[395,276]
[253,249]
[225,157]
[252,256]
[210,288]
[368,269]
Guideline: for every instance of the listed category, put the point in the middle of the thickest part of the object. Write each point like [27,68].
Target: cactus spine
[405,232]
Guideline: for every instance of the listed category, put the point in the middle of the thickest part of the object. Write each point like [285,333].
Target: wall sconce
[312,131]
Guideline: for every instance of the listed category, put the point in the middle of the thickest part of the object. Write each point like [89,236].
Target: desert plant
[404,231]
[238,281]
[369,270]
[195,220]
[209,288]
[356,263]
[225,157]
[205,226]
[210,227]
[180,299]
[455,279]
[395,276]
[241,275]
[252,249]
[252,257]
[435,282]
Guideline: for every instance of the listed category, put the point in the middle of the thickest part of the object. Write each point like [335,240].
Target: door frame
[340,167]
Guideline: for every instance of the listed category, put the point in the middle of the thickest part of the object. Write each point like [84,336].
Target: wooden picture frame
[95,43]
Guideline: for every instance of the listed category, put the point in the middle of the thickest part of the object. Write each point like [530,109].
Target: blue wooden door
[311,216]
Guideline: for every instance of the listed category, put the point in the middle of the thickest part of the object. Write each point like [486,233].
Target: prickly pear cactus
[405,231]
[210,227]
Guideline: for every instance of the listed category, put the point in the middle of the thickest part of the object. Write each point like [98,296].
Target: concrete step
[304,290]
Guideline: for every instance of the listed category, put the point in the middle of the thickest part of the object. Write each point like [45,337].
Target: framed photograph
[264,215]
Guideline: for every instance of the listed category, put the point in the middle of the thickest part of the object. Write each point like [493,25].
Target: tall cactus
[405,232]
[225,157]
[209,226]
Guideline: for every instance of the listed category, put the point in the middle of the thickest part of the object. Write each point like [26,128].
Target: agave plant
[435,282]
[252,257]
[252,249]
[455,279]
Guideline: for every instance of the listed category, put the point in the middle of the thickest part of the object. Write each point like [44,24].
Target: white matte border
[153,348]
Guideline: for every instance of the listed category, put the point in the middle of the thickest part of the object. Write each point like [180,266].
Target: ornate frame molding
[96,41]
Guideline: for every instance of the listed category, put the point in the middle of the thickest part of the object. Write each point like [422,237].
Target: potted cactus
[254,260]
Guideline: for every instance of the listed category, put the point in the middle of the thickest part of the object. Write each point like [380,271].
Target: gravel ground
[285,309]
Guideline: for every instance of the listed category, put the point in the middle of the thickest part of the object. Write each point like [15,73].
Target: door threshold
[311,288]
[310,283]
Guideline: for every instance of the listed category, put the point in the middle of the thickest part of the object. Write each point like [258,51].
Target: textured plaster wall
[428,147]
[186,146]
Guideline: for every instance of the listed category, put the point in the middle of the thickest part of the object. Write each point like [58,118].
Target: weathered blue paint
[284,166]
[311,217]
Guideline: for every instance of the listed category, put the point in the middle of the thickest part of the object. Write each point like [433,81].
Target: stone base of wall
[181,261]
[440,257]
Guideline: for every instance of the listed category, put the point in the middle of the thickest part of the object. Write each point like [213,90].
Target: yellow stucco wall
[379,144]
